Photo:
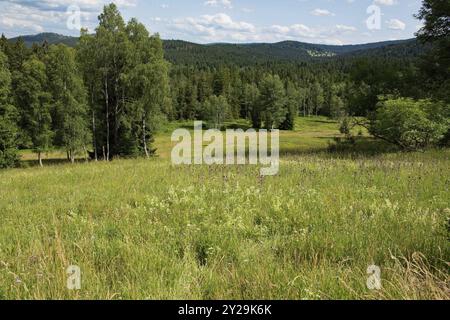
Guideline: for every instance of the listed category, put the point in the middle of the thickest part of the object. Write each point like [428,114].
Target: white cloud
[62,5]
[222,28]
[396,24]
[386,2]
[322,13]
[32,16]
[19,23]
[217,27]
[219,3]
[345,28]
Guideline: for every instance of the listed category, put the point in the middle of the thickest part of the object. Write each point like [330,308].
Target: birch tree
[69,101]
[34,101]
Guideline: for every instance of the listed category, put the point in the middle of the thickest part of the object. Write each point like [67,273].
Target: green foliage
[372,77]
[345,127]
[186,53]
[318,98]
[35,103]
[330,87]
[292,106]
[272,101]
[200,71]
[48,37]
[70,116]
[292,52]
[251,106]
[411,124]
[435,14]
[337,108]
[17,54]
[147,86]
[110,56]
[8,128]
[128,85]
[216,110]
[435,65]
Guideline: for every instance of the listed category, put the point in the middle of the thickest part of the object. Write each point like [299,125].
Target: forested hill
[182,52]
[50,38]
[187,53]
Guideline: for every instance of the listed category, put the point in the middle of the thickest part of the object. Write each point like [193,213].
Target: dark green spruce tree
[272,101]
[292,107]
[8,114]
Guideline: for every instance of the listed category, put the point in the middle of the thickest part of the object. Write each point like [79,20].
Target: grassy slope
[146,229]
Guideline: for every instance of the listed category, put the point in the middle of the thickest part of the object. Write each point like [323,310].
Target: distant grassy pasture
[311,135]
[149,230]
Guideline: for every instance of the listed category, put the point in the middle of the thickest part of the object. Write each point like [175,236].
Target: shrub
[410,124]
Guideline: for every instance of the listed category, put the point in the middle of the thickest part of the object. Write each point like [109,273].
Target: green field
[147,229]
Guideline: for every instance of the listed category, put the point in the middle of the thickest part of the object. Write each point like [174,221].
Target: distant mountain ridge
[184,52]
[50,38]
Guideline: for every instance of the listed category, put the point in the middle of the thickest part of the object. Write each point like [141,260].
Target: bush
[216,110]
[345,127]
[410,124]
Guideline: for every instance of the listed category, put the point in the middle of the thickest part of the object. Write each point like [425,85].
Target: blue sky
[205,21]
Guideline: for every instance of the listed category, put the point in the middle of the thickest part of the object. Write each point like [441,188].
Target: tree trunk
[144,138]
[94,139]
[116,116]
[40,159]
[94,133]
[116,128]
[72,157]
[107,118]
[86,157]
[116,97]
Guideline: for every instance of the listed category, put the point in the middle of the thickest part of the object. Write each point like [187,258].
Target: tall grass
[146,229]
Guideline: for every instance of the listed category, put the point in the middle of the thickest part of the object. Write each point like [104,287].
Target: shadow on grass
[362,147]
[231,126]
[47,162]
[323,121]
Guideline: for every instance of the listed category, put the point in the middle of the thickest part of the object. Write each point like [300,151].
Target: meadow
[145,229]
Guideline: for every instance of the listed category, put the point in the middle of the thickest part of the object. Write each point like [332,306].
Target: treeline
[108,96]
[338,87]
[105,97]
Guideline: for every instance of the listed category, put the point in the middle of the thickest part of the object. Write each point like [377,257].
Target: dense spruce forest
[106,93]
